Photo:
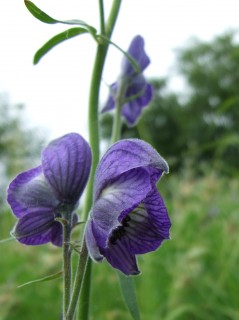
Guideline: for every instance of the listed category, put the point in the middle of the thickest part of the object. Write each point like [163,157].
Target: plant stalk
[93,123]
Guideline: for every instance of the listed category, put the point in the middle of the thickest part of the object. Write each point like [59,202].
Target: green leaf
[47,278]
[128,292]
[38,13]
[67,34]
[128,56]
[43,17]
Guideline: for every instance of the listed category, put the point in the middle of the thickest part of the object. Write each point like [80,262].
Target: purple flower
[128,216]
[52,190]
[137,93]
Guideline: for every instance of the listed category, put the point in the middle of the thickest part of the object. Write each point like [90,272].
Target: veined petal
[66,164]
[158,213]
[118,198]
[126,155]
[30,192]
[136,50]
[141,231]
[34,228]
[120,257]
[145,227]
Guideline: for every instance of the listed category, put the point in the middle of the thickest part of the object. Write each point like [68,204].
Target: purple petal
[126,155]
[29,192]
[120,257]
[136,50]
[136,87]
[146,97]
[121,196]
[131,111]
[138,95]
[34,228]
[66,164]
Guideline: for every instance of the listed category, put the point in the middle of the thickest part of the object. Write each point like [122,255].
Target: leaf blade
[129,295]
[47,278]
[57,39]
[44,17]
[38,13]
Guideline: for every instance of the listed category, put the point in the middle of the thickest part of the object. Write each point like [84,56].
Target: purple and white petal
[30,192]
[137,52]
[121,196]
[66,164]
[92,246]
[126,155]
[34,228]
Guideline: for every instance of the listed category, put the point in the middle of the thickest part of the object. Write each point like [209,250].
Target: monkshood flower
[128,216]
[51,191]
[136,92]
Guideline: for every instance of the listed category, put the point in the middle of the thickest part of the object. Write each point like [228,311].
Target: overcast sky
[55,91]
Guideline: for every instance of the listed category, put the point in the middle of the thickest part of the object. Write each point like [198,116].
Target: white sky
[55,91]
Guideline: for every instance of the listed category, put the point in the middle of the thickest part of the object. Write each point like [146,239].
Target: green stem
[78,283]
[102,17]
[66,265]
[85,292]
[94,143]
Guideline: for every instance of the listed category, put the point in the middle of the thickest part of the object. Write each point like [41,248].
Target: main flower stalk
[101,53]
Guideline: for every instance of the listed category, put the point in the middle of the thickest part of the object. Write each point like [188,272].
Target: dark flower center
[120,231]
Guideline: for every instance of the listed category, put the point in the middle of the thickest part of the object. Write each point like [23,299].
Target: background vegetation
[192,276]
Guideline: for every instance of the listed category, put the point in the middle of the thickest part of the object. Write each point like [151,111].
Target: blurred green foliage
[199,126]
[192,276]
[20,145]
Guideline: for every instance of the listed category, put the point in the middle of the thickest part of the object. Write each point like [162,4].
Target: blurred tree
[200,126]
[212,74]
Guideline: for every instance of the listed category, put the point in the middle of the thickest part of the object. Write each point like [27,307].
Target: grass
[193,276]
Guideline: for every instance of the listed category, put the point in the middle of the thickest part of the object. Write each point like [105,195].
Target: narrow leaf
[6,240]
[47,278]
[38,13]
[43,17]
[67,34]
[129,295]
